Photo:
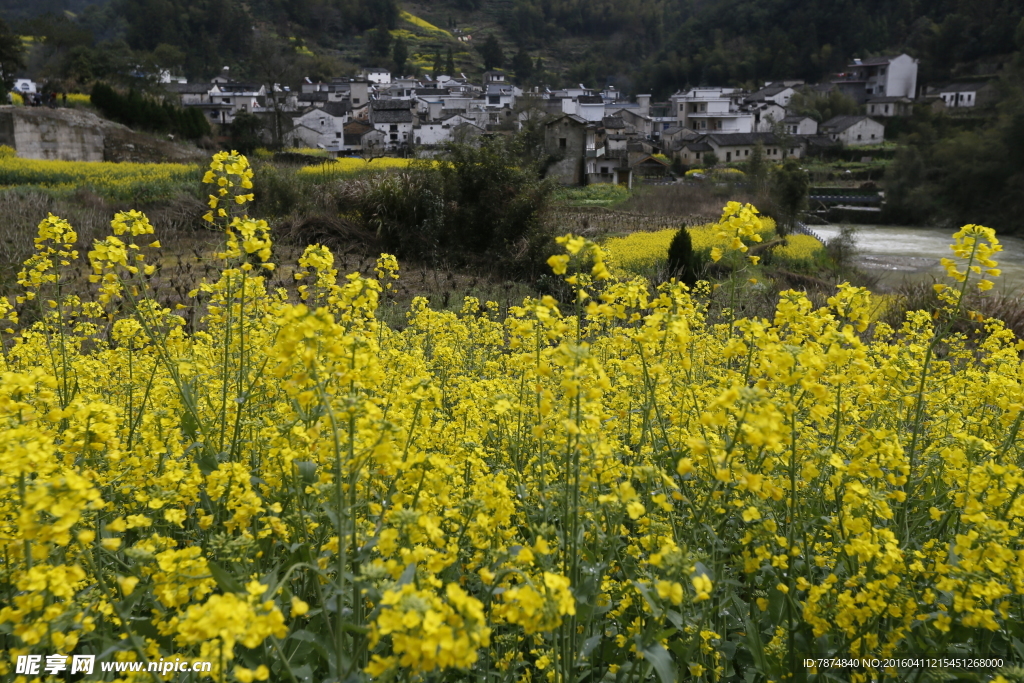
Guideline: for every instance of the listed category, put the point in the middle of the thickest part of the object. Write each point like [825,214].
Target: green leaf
[662,662]
[224,578]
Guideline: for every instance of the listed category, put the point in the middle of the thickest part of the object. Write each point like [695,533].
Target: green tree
[449,63]
[246,132]
[438,64]
[756,167]
[378,42]
[789,193]
[400,55]
[710,160]
[491,53]
[522,65]
[683,262]
[10,55]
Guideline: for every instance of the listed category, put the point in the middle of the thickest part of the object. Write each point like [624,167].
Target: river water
[901,254]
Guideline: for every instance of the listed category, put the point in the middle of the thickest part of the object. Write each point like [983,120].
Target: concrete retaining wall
[78,135]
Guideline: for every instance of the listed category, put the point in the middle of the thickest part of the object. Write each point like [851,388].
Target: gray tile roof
[963,87]
[392,116]
[837,124]
[188,88]
[390,105]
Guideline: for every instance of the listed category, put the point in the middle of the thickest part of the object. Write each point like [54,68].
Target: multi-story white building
[709,110]
[879,77]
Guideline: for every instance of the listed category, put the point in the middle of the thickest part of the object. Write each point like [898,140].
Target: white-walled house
[853,131]
[431,134]
[965,95]
[779,94]
[890,106]
[377,75]
[767,115]
[737,147]
[708,110]
[879,77]
[799,125]
[189,94]
[393,118]
[320,126]
[242,97]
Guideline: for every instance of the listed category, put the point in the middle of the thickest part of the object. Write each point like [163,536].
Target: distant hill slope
[641,45]
[18,10]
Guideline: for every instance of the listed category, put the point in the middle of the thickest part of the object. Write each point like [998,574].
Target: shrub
[683,262]
[143,112]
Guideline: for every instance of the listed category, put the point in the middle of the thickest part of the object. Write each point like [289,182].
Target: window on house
[393,127]
[858,136]
[394,137]
[226,100]
[355,100]
[561,142]
[337,135]
[881,72]
[792,150]
[872,136]
[728,156]
[323,121]
[746,152]
[696,155]
[887,109]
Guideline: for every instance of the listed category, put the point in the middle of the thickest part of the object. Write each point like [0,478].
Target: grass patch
[592,195]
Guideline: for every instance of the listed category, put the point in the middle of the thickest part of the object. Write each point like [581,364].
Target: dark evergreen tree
[246,132]
[683,262]
[522,65]
[492,54]
[438,64]
[789,193]
[10,55]
[400,55]
[449,63]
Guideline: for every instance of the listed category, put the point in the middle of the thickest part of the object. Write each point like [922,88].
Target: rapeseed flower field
[612,488]
[119,181]
[641,252]
[353,165]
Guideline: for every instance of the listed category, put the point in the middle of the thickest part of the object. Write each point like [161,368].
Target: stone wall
[79,135]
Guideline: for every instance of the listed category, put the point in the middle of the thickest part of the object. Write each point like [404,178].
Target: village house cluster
[593,135]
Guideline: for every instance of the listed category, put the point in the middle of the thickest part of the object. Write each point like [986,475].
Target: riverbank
[900,255]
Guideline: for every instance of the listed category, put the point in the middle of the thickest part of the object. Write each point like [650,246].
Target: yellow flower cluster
[622,489]
[422,23]
[799,248]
